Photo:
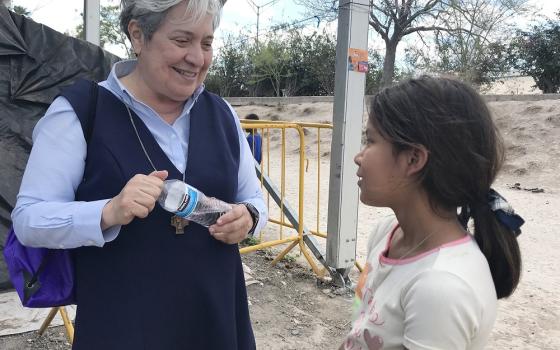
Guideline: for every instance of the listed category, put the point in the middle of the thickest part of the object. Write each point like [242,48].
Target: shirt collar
[125,67]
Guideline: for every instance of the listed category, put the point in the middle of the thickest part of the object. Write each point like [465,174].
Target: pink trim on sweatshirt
[390,261]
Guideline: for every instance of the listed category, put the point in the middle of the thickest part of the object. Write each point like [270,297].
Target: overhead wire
[366,8]
[275,28]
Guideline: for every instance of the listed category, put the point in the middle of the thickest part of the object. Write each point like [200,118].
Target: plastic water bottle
[186,201]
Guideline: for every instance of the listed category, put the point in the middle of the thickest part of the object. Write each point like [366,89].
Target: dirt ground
[291,310]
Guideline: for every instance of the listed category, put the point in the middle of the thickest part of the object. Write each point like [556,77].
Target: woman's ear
[417,157]
[136,36]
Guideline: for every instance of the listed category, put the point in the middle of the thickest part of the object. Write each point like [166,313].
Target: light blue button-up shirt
[46,214]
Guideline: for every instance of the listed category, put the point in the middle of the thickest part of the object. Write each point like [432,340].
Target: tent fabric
[11,41]
[36,62]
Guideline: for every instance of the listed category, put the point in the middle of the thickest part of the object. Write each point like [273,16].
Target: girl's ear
[136,36]
[417,157]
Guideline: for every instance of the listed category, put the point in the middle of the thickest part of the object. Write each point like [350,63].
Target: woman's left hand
[233,226]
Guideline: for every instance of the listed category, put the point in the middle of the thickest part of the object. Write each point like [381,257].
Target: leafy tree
[537,53]
[483,64]
[374,73]
[312,63]
[20,10]
[477,54]
[293,63]
[271,63]
[321,61]
[393,20]
[231,68]
[109,29]
[242,69]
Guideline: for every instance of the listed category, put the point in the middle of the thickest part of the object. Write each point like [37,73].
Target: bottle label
[190,199]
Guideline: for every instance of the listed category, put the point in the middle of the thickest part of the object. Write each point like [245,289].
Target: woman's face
[176,59]
[381,173]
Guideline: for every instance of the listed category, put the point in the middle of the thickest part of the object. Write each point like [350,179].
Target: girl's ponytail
[496,227]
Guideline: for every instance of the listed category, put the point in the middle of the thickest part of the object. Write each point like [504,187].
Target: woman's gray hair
[150,13]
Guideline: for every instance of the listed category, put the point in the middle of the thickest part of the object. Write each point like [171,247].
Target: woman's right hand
[137,199]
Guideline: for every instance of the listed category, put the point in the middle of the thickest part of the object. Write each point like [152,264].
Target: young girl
[430,283]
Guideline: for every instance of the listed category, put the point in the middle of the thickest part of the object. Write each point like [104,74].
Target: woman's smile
[185,73]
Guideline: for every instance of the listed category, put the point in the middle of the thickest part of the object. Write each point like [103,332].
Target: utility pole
[350,77]
[258,12]
[91,21]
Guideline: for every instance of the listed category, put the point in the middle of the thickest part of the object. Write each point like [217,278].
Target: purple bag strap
[31,282]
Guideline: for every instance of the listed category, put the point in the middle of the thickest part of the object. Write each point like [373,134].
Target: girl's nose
[358,158]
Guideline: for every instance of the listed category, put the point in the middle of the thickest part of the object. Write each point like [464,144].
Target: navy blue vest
[151,288]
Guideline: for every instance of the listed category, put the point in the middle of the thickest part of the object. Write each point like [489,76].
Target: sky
[238,15]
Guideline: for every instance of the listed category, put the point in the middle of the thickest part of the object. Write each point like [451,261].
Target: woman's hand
[233,226]
[137,199]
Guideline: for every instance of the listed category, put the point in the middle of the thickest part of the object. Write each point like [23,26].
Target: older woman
[139,285]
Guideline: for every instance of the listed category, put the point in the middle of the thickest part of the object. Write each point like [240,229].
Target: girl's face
[176,59]
[381,173]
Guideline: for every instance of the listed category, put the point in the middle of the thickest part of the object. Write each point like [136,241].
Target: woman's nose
[195,56]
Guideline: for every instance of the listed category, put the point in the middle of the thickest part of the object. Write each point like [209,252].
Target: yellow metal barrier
[67,323]
[266,129]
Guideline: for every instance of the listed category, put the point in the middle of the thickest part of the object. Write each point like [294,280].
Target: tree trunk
[278,82]
[546,85]
[389,63]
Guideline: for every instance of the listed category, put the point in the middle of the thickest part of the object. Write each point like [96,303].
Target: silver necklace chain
[141,143]
[416,246]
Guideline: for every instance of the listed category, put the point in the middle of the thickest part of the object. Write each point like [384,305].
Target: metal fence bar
[290,218]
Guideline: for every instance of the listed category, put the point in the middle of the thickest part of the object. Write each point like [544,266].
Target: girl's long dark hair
[466,152]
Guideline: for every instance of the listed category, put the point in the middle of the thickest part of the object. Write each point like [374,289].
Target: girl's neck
[422,229]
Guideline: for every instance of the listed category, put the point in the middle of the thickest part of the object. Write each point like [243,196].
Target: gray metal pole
[350,77]
[91,21]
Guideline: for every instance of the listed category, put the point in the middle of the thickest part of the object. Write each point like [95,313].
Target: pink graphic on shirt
[373,342]
[373,315]
[367,317]
[349,345]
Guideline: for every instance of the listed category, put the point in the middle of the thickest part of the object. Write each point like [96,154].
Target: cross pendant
[179,223]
